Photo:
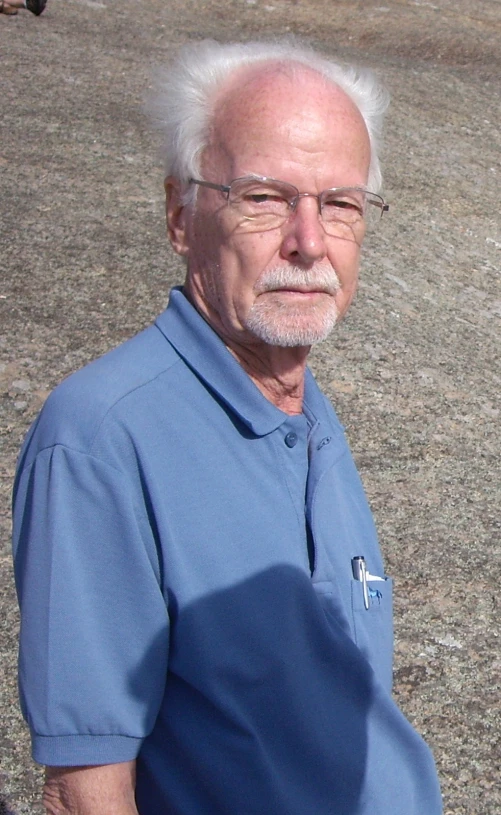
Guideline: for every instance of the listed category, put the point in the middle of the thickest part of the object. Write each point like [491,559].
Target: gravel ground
[414,370]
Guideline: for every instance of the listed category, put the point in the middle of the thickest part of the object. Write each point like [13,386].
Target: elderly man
[206,623]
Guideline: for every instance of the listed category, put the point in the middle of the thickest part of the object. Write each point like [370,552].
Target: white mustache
[320,278]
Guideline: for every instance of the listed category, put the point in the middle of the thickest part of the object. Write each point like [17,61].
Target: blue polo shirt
[183,558]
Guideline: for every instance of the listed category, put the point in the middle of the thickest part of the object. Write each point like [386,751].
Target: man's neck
[278,373]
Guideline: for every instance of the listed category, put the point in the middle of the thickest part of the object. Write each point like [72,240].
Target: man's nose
[304,236]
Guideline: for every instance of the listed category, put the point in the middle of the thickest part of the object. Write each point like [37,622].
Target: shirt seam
[124,396]
[86,735]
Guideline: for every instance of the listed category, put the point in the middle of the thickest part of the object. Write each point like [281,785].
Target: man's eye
[259,198]
[344,204]
[264,198]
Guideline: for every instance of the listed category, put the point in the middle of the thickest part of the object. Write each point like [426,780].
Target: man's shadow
[265,706]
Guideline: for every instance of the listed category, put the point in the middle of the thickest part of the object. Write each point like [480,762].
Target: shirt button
[291,439]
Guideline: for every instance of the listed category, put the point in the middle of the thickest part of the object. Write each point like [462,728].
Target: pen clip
[360,573]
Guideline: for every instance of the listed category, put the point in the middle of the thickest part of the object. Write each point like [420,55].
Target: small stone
[21,385]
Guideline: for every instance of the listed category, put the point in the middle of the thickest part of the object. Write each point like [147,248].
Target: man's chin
[291,331]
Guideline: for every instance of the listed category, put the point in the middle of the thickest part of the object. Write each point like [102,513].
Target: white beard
[293,325]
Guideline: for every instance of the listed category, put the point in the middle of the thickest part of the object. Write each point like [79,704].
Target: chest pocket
[373,626]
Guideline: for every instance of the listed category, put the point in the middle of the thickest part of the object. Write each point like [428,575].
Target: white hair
[183,104]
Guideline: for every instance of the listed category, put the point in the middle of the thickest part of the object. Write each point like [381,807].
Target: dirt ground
[414,371]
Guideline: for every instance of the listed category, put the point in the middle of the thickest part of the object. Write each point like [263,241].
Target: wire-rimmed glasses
[266,203]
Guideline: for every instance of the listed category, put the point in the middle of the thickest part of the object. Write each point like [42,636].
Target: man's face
[286,285]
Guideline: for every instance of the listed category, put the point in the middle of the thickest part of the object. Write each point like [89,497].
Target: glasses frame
[226,189]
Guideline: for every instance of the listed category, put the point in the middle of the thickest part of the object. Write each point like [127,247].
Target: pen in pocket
[362,574]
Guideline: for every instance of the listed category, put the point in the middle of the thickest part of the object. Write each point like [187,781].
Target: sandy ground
[414,371]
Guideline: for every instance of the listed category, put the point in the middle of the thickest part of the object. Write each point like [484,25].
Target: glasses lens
[352,208]
[266,202]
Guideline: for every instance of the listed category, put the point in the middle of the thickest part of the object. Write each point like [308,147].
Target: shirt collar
[206,354]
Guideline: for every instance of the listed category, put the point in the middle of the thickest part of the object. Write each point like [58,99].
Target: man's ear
[176,215]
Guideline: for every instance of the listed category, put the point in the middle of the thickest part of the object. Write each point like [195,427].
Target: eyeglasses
[267,203]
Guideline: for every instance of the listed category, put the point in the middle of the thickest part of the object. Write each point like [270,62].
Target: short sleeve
[94,624]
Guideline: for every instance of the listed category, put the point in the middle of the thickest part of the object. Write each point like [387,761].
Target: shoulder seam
[125,396]
[79,451]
